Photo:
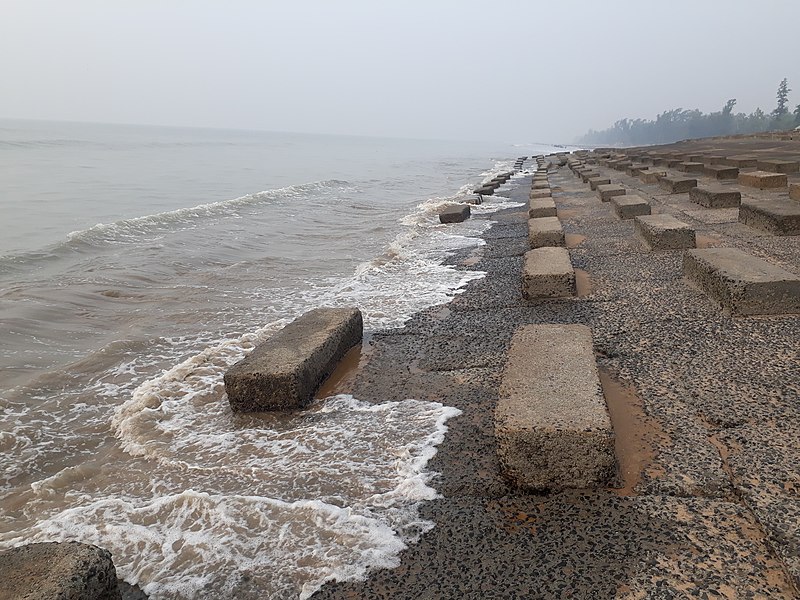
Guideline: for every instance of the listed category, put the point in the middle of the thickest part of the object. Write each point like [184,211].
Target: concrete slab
[547,273]
[741,283]
[676,184]
[763,180]
[551,422]
[630,206]
[545,231]
[778,166]
[606,192]
[715,196]
[721,171]
[284,371]
[454,214]
[595,181]
[541,207]
[664,232]
[777,216]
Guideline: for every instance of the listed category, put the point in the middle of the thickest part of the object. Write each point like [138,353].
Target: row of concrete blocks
[674,159]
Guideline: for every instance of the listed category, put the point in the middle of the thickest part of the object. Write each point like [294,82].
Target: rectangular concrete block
[691,167]
[284,371]
[715,196]
[545,231]
[676,184]
[721,171]
[794,191]
[741,283]
[539,194]
[741,161]
[540,185]
[652,175]
[606,192]
[587,175]
[778,166]
[763,180]
[664,232]
[541,207]
[547,273]
[552,426]
[595,181]
[630,206]
[454,214]
[777,216]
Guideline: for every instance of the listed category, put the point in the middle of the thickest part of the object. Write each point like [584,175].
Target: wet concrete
[707,408]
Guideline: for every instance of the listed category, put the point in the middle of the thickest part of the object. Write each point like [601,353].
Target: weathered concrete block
[484,190]
[545,231]
[794,191]
[741,283]
[595,181]
[721,171]
[774,215]
[741,161]
[540,185]
[630,206]
[664,232]
[715,196]
[587,175]
[652,175]
[454,214]
[607,192]
[541,207]
[547,273]
[551,422]
[68,570]
[284,371]
[676,184]
[778,166]
[691,167]
[539,194]
[763,180]
[635,169]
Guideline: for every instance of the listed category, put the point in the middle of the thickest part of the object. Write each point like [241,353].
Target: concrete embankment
[705,407]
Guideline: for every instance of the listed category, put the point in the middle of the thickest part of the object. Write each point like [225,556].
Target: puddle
[583,285]
[573,240]
[341,380]
[637,435]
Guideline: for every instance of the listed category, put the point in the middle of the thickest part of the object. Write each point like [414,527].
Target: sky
[506,70]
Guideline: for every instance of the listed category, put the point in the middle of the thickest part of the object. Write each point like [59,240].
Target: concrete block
[547,273]
[545,231]
[540,185]
[454,214]
[587,175]
[676,184]
[630,206]
[551,422]
[691,167]
[715,196]
[721,171]
[794,191]
[541,207]
[741,283]
[664,232]
[635,169]
[763,180]
[778,166]
[595,181]
[68,570]
[606,192]
[777,216]
[484,190]
[284,371]
[539,194]
[652,175]
[741,161]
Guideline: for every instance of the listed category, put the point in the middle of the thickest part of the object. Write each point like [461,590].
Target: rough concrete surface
[547,273]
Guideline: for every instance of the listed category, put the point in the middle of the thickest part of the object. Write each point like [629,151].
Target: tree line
[679,124]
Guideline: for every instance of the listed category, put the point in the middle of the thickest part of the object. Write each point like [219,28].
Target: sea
[136,265]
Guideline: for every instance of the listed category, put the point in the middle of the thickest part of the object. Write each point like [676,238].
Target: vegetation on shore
[679,124]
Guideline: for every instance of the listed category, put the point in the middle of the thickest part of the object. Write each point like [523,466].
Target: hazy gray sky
[516,71]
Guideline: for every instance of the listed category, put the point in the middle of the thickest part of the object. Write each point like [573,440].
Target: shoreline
[684,522]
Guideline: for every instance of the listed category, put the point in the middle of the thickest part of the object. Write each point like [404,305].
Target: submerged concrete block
[595,181]
[774,215]
[547,273]
[676,184]
[545,231]
[454,214]
[629,206]
[721,171]
[741,283]
[607,192]
[552,426]
[68,570]
[284,371]
[763,180]
[664,232]
[715,196]
[541,207]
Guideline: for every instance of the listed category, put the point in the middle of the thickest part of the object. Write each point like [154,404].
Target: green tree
[783,99]
[728,109]
[797,115]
